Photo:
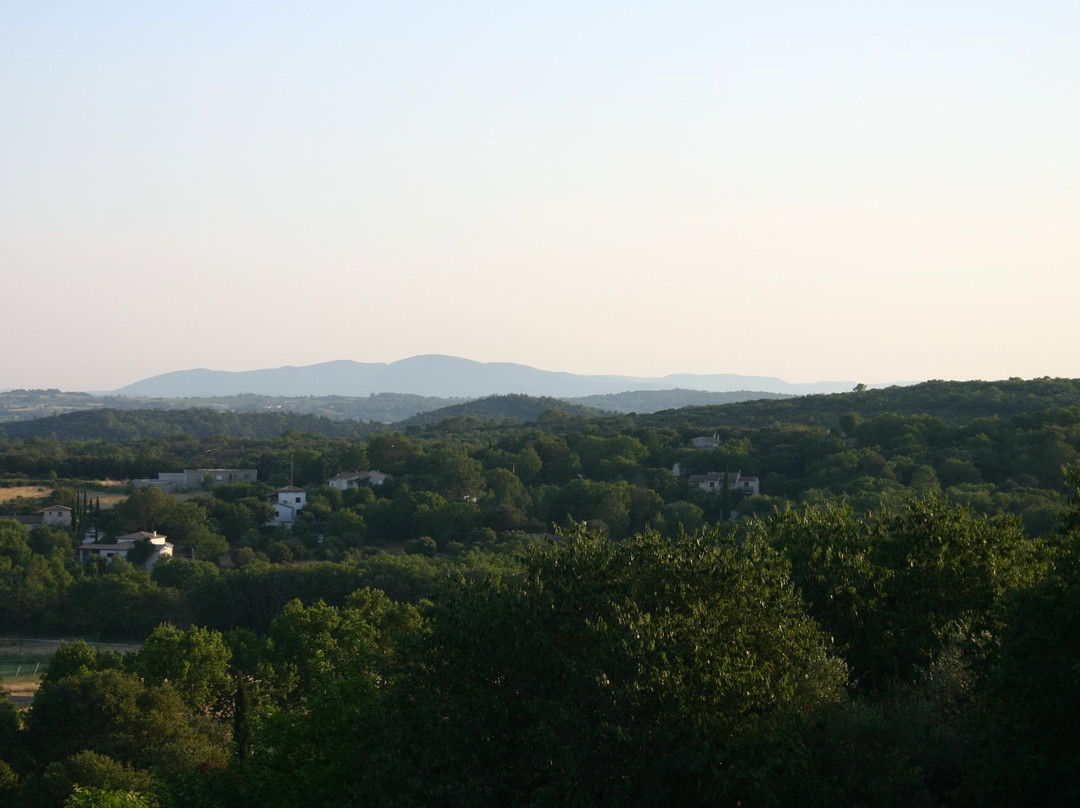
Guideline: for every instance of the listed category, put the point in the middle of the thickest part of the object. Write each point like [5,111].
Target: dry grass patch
[21,691]
[23,492]
[107,499]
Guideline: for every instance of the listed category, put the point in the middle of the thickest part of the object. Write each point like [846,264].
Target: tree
[614,672]
[455,475]
[95,778]
[336,660]
[10,723]
[392,452]
[82,797]
[194,661]
[895,587]
[146,509]
[70,659]
[348,526]
[115,714]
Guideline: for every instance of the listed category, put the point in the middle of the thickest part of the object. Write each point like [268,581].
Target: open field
[14,670]
[23,661]
[107,499]
[23,492]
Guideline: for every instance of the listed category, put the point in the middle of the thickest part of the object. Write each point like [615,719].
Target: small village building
[714,482]
[350,479]
[287,503]
[121,546]
[56,515]
[706,442]
[169,481]
[59,515]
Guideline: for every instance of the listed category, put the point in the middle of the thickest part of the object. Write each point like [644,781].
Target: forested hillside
[534,607]
[514,409]
[119,425]
[952,402]
[656,400]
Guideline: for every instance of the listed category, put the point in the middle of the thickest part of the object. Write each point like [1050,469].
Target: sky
[816,191]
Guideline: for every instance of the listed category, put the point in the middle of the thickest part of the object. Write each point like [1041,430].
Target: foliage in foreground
[923,655]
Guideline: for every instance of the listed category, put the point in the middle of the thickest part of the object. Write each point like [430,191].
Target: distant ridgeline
[953,402]
[81,416]
[24,405]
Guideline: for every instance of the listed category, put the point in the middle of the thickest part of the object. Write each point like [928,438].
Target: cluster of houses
[287,502]
[120,547]
[290,500]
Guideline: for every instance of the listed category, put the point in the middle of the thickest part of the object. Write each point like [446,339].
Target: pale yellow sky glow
[822,191]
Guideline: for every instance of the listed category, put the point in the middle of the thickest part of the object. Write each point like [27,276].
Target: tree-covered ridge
[953,402]
[500,409]
[614,469]
[20,405]
[120,425]
[648,401]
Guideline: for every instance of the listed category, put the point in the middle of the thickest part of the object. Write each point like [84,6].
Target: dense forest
[534,608]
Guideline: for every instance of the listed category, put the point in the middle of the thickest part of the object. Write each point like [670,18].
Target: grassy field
[18,669]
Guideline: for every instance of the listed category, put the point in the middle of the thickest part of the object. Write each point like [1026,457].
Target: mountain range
[445,376]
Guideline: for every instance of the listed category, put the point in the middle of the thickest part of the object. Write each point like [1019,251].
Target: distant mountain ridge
[649,401]
[443,376]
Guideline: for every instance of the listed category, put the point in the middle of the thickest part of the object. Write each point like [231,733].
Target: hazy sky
[812,190]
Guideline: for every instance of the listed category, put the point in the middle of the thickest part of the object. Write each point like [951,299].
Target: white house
[349,479]
[56,515]
[287,502]
[706,442]
[125,544]
[714,481]
[53,515]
